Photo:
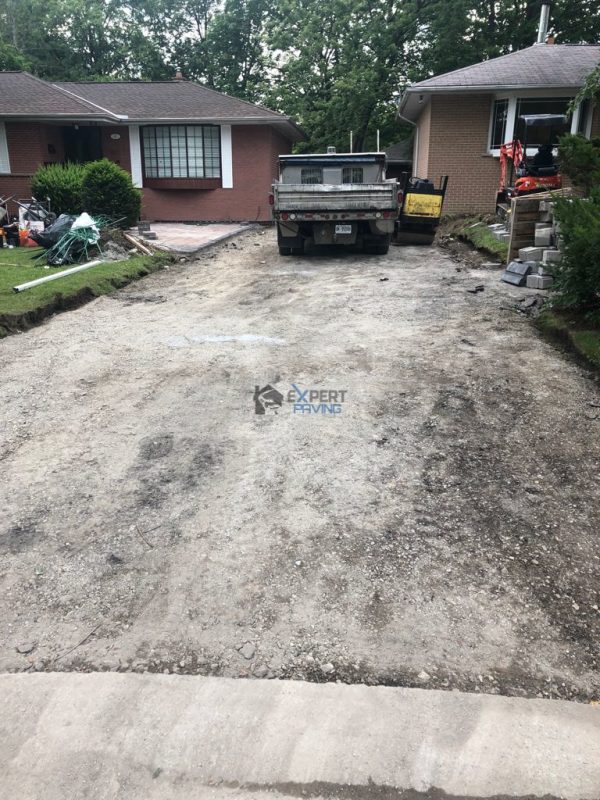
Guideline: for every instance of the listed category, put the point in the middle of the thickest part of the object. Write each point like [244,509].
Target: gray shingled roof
[557,65]
[141,100]
[22,94]
[400,152]
[548,66]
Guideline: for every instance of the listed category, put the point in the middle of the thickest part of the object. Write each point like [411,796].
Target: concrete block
[546,216]
[150,235]
[539,281]
[143,227]
[551,256]
[497,226]
[543,237]
[498,234]
[547,269]
[546,205]
[531,253]
[541,225]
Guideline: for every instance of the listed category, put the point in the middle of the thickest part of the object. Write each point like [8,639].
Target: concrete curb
[109,735]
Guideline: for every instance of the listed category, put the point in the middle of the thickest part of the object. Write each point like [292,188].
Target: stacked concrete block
[531,253]
[543,237]
[539,281]
[551,256]
[546,211]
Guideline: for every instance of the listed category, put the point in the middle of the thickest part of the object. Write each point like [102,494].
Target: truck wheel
[285,251]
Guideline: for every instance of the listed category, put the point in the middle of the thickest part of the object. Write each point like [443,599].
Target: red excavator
[539,173]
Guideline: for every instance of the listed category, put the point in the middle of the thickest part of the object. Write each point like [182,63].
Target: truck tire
[378,247]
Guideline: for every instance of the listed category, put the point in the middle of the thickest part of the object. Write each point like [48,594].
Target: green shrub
[108,190]
[63,184]
[580,160]
[578,274]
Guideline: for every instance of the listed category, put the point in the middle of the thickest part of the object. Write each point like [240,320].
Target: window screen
[182,151]
[352,175]
[541,134]
[311,175]
[500,116]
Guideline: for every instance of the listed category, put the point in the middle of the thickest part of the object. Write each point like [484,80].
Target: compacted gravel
[440,529]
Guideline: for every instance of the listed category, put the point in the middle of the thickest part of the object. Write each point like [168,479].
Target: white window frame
[511,117]
[4,155]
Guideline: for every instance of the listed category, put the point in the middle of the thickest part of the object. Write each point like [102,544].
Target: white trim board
[226,157]
[135,156]
[4,156]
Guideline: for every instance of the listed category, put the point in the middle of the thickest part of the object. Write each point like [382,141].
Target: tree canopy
[335,66]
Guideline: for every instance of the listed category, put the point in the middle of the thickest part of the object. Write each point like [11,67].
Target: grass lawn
[482,238]
[573,330]
[21,310]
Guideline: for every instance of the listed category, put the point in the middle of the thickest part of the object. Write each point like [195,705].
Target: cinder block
[539,281]
[543,237]
[546,205]
[551,256]
[497,226]
[541,226]
[150,235]
[499,233]
[547,269]
[531,253]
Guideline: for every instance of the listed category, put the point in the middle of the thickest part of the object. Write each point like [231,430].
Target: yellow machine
[421,210]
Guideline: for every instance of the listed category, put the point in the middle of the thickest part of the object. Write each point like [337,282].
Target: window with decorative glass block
[182,151]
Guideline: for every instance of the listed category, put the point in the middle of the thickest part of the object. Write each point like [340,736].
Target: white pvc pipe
[30,284]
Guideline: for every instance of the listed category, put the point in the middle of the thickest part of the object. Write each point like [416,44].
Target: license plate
[347,229]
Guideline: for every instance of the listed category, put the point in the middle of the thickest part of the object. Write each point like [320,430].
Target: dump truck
[334,198]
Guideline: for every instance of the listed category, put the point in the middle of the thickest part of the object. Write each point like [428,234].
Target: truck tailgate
[332,197]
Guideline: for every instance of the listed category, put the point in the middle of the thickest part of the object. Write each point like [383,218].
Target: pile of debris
[71,239]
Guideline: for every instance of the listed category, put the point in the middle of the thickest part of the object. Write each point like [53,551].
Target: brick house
[462,118]
[198,155]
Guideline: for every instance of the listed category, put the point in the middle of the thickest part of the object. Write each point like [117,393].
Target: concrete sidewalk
[109,735]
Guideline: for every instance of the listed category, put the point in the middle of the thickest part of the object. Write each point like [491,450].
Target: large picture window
[182,151]
[541,134]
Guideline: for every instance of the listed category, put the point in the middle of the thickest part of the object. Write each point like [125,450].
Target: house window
[182,151]
[352,175]
[499,118]
[311,175]
[541,134]
[583,119]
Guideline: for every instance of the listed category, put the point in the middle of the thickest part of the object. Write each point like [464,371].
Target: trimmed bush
[578,275]
[63,184]
[580,160]
[108,190]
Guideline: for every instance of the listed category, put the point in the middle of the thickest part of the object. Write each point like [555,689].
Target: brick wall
[255,150]
[458,146]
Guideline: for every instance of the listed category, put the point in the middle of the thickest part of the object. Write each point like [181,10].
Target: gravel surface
[441,531]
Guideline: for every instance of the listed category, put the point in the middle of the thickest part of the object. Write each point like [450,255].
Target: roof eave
[56,117]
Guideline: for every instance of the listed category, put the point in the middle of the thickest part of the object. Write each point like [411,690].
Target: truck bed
[333,197]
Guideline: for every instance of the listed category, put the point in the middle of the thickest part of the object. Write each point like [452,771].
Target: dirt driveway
[442,530]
